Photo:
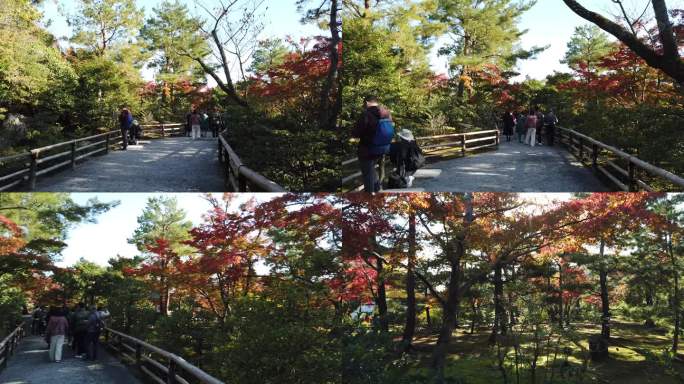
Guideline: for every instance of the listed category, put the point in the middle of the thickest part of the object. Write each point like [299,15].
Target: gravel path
[30,365]
[176,164]
[513,167]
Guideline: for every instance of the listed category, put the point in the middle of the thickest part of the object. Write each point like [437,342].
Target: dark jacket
[365,129]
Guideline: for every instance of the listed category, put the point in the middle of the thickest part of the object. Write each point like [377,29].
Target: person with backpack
[125,122]
[508,125]
[550,121]
[81,318]
[56,331]
[204,125]
[375,130]
[94,328]
[195,120]
[531,125]
[407,158]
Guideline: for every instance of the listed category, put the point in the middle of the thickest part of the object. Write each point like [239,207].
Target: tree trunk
[500,315]
[560,295]
[675,295]
[605,304]
[382,297]
[455,251]
[328,110]
[410,326]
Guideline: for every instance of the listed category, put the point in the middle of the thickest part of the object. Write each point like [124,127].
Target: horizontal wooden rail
[146,357]
[9,344]
[432,146]
[604,159]
[239,177]
[25,168]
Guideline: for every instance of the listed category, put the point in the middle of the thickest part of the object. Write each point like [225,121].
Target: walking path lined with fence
[174,164]
[26,361]
[577,163]
[30,364]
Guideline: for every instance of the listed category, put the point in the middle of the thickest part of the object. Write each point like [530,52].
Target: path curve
[30,365]
[175,164]
[513,167]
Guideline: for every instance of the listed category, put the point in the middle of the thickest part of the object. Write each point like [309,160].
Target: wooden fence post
[498,137]
[581,149]
[107,143]
[73,155]
[171,379]
[138,355]
[463,145]
[33,170]
[242,182]
[594,156]
[633,187]
[162,129]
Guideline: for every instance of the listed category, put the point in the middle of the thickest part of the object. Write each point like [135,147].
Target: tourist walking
[540,125]
[80,327]
[195,120]
[375,130]
[57,329]
[94,328]
[531,125]
[550,121]
[520,128]
[125,122]
[508,125]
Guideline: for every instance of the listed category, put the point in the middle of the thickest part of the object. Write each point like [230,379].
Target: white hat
[406,135]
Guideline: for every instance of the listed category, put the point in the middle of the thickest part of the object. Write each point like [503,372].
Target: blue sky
[281,18]
[549,22]
[105,239]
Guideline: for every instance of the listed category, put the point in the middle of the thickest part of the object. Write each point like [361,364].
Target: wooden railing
[25,168]
[432,146]
[157,364]
[9,344]
[623,170]
[239,177]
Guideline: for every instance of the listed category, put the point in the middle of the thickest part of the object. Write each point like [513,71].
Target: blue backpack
[384,134]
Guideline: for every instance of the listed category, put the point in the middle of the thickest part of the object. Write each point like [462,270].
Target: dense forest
[622,87]
[399,288]
[278,93]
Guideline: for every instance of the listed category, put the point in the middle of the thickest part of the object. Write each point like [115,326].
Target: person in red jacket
[365,129]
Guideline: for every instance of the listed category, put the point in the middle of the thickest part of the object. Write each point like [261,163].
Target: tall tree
[587,45]
[481,32]
[168,33]
[100,24]
[665,56]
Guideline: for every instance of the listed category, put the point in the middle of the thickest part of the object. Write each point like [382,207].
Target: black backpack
[416,159]
[396,181]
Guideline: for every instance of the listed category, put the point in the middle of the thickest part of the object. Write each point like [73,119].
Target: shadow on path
[30,365]
[513,167]
[177,164]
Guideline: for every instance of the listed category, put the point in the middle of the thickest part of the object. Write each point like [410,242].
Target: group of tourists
[199,124]
[130,129]
[79,327]
[376,132]
[530,126]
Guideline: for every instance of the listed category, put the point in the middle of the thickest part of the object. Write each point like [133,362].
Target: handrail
[10,343]
[625,179]
[142,358]
[432,148]
[25,168]
[239,177]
